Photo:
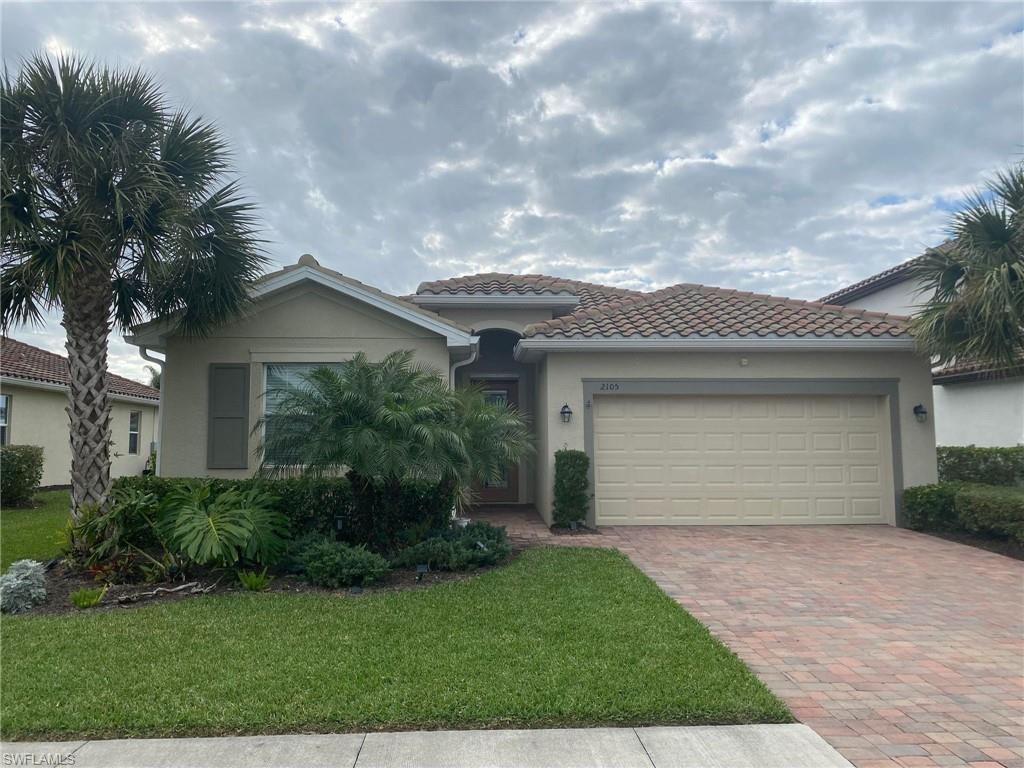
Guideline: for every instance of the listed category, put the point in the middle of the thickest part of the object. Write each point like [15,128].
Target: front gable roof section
[690,316]
[154,334]
[507,288]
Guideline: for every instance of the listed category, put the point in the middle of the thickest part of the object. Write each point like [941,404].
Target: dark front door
[504,490]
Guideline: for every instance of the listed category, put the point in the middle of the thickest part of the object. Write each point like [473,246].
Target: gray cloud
[784,148]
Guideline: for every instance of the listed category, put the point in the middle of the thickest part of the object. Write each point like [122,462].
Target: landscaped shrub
[987,466]
[572,498]
[23,586]
[21,469]
[992,510]
[333,564]
[458,549]
[223,528]
[931,507]
[327,505]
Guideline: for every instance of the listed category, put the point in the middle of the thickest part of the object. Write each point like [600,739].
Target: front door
[504,490]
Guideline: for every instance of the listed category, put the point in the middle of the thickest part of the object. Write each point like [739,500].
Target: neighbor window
[280,378]
[134,424]
[5,411]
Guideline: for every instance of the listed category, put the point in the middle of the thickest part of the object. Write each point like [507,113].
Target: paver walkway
[899,648]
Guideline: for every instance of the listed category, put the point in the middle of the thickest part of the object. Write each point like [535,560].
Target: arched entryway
[505,379]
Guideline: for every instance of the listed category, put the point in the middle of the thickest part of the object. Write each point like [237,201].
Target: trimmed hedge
[328,506]
[21,469]
[931,507]
[571,499]
[992,510]
[987,466]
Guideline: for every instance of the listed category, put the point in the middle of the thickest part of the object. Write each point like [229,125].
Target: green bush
[84,599]
[223,528]
[21,469]
[572,498]
[328,505]
[931,507]
[333,564]
[993,510]
[458,549]
[987,466]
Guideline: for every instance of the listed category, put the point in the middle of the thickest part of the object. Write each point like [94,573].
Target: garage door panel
[741,460]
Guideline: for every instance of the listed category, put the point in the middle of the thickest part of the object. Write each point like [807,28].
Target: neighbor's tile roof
[23,361]
[883,279]
[498,283]
[972,371]
[696,310]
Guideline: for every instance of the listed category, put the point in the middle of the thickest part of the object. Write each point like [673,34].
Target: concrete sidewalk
[731,746]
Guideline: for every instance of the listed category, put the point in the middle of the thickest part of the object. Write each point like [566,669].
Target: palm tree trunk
[87,322]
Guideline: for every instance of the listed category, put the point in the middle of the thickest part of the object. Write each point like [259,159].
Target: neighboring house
[974,404]
[33,402]
[696,405]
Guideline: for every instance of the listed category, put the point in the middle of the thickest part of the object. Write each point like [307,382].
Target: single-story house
[33,401]
[697,405]
[974,404]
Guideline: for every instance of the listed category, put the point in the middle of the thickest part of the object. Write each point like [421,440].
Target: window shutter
[227,443]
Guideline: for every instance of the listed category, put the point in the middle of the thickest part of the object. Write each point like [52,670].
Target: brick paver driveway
[900,649]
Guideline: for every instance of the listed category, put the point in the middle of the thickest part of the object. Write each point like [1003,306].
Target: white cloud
[784,148]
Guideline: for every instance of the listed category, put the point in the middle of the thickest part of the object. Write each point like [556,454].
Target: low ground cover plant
[458,549]
[83,599]
[22,586]
[254,581]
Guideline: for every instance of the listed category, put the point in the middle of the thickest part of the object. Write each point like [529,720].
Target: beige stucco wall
[304,324]
[38,417]
[508,318]
[561,379]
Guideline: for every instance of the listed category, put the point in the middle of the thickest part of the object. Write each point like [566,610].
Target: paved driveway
[900,649]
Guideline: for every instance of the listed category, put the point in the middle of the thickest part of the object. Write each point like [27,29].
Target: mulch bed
[1007,547]
[62,580]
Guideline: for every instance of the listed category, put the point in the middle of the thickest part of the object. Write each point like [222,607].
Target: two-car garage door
[749,460]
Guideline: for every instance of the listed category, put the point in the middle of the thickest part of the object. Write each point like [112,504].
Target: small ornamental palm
[975,282]
[390,422]
[114,208]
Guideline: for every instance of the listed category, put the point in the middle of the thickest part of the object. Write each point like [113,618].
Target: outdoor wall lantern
[566,414]
[920,413]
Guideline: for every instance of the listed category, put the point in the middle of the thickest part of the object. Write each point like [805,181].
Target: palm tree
[975,282]
[390,422]
[154,376]
[114,208]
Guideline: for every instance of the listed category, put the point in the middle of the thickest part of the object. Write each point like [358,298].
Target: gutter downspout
[144,353]
[474,351]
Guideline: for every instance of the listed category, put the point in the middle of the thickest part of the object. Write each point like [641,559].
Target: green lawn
[559,637]
[35,533]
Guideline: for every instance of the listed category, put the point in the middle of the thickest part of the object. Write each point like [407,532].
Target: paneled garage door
[747,460]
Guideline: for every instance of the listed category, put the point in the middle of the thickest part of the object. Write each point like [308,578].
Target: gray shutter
[227,441]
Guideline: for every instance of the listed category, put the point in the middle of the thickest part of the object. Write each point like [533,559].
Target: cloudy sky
[789,149]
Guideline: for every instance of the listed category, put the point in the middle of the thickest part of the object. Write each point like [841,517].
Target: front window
[134,427]
[280,379]
[5,410]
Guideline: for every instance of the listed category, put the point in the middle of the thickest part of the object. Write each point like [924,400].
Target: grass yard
[559,637]
[36,533]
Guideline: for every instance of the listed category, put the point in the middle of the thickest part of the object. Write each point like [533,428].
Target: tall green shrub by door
[572,498]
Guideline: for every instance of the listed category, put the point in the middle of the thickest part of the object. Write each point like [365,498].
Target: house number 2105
[609,386]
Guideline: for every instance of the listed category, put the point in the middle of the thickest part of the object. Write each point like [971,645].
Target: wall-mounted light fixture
[566,414]
[920,413]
